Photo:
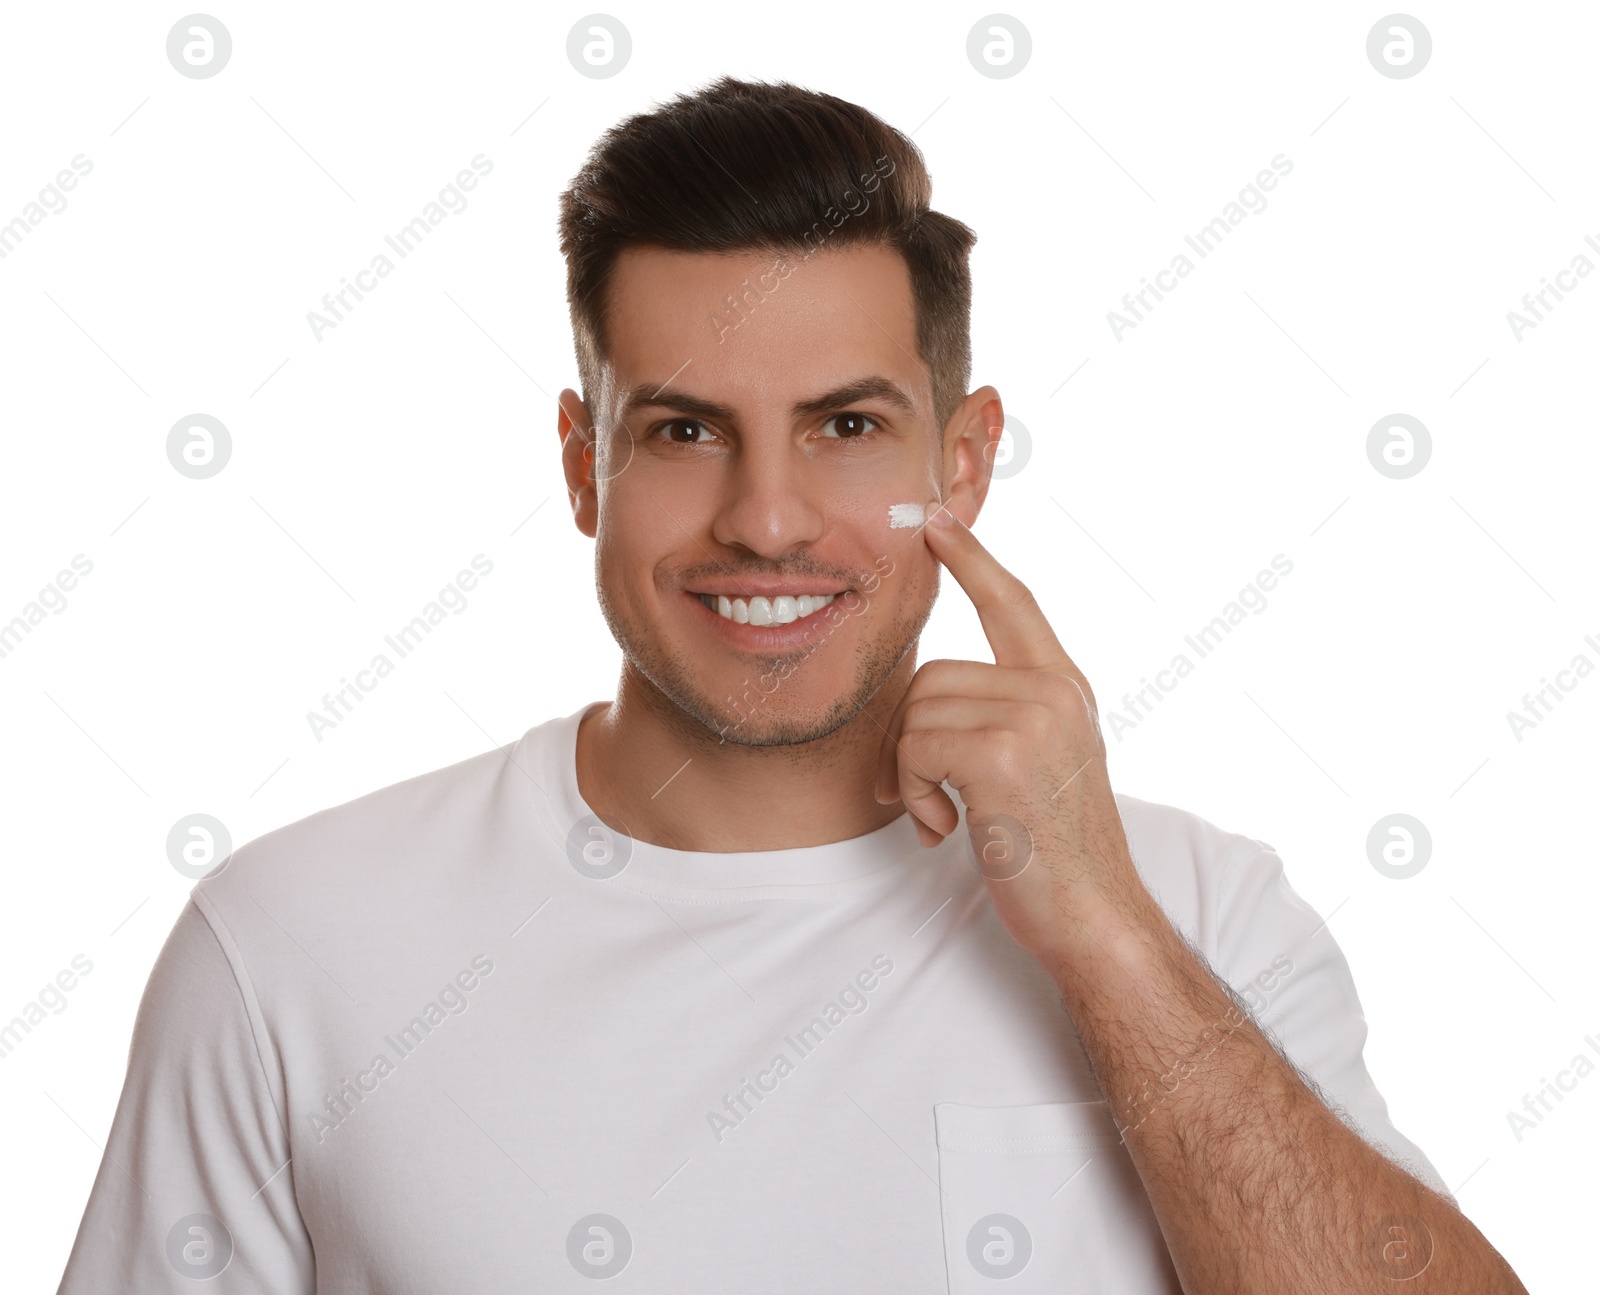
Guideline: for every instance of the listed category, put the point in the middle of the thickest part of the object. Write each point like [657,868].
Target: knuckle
[907,749]
[1020,747]
[1017,596]
[1042,721]
[1057,689]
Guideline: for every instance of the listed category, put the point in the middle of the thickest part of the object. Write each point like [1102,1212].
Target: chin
[778,730]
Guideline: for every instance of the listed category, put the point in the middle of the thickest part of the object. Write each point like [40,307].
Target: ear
[971,441]
[577,460]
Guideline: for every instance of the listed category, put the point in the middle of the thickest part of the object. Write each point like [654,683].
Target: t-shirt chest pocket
[1044,1198]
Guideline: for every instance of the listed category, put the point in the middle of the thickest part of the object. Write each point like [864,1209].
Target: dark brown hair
[753,166]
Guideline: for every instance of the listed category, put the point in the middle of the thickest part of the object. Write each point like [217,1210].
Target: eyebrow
[646,395]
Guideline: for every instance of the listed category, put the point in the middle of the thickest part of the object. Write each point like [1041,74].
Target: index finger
[1012,620]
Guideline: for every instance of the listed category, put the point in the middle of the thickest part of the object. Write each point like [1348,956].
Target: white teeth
[780,610]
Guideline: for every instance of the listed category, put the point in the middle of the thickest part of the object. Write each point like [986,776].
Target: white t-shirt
[434,1041]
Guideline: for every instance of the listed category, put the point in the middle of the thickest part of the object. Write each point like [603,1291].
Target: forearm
[1257,1186]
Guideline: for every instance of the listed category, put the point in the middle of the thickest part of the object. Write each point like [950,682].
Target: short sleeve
[195,1181]
[1281,957]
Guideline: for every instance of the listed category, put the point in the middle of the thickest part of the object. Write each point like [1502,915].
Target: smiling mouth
[760,610]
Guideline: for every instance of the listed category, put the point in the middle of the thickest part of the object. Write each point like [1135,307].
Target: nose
[772,502]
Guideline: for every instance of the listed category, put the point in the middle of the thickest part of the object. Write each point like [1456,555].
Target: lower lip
[767,637]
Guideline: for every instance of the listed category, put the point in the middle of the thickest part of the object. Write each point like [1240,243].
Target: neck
[659,776]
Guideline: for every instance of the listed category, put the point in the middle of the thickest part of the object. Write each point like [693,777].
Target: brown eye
[850,426]
[683,425]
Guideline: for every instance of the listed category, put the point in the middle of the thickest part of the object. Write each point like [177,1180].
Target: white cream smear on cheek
[903,516]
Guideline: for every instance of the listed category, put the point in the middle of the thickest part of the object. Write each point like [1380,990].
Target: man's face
[732,462]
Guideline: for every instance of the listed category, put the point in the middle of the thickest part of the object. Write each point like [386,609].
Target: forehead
[763,323]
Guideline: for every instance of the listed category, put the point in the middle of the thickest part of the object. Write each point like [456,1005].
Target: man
[716,986]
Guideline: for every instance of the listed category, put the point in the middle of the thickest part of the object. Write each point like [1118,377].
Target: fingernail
[939,515]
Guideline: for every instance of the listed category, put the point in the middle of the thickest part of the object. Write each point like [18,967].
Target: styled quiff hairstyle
[751,166]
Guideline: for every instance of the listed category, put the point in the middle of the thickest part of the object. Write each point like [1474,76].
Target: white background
[1166,469]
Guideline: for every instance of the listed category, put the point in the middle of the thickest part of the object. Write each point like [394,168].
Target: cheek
[884,534]
[898,570]
[643,508]
[886,511]
[623,557]
[917,574]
